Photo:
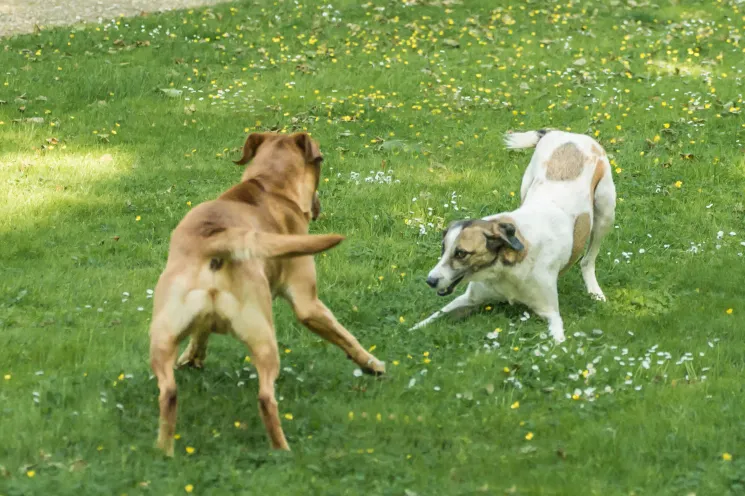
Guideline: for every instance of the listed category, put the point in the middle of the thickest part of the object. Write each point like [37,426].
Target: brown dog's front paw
[374,367]
[166,446]
[194,363]
[188,359]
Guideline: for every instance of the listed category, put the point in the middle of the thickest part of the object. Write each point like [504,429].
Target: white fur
[546,221]
[514,141]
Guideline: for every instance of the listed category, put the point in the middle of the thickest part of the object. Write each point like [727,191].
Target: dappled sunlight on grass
[56,180]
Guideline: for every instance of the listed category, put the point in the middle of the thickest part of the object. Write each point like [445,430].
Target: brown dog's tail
[242,244]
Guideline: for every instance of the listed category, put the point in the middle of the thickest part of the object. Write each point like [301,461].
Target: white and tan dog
[567,196]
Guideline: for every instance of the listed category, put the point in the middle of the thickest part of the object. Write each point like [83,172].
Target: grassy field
[109,134]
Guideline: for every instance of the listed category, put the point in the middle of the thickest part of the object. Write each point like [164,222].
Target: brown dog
[229,257]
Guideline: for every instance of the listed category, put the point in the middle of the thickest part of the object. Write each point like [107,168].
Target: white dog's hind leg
[604,215]
[475,294]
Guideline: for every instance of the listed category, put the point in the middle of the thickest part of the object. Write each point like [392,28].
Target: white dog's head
[470,246]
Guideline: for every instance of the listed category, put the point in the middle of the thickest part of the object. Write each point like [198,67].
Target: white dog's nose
[432,281]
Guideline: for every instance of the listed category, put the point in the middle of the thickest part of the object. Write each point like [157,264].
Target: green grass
[420,92]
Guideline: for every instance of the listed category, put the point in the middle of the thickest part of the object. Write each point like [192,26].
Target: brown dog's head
[287,162]
[470,246]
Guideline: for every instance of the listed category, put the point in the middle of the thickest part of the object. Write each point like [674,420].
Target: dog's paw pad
[195,363]
[374,367]
[597,296]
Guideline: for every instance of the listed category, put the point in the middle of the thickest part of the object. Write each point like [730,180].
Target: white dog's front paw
[419,325]
[597,295]
[426,321]
[556,330]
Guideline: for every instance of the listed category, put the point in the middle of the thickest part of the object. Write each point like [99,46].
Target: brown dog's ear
[503,233]
[252,144]
[309,148]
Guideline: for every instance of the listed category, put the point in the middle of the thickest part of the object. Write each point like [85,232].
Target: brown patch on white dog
[597,175]
[582,228]
[481,243]
[510,255]
[565,163]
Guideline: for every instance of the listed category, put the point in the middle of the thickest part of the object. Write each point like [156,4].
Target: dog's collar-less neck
[284,198]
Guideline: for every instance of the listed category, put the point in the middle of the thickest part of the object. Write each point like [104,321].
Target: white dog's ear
[503,233]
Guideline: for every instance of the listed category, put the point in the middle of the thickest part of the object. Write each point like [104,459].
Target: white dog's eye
[460,254]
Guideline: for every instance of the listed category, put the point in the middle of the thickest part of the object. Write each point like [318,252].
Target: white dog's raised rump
[567,197]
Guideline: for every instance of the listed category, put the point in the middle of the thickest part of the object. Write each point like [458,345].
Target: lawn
[110,133]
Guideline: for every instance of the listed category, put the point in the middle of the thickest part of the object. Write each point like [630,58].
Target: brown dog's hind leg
[253,326]
[266,360]
[163,348]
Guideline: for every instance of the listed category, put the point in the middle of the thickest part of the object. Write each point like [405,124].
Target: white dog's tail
[516,141]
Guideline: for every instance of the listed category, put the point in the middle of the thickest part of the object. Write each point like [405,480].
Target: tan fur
[472,239]
[597,175]
[509,255]
[229,257]
[582,227]
[566,163]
